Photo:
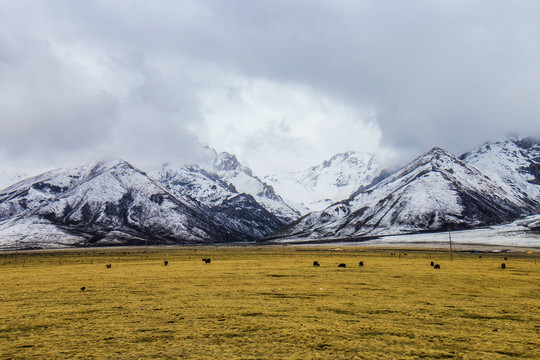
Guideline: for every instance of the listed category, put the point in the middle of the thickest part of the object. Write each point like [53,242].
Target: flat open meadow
[268,303]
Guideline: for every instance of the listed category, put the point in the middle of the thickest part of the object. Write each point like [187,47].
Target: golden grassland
[268,303]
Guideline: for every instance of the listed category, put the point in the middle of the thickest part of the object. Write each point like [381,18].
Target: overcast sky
[282,84]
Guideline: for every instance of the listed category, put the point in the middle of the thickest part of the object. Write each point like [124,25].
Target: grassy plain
[268,303]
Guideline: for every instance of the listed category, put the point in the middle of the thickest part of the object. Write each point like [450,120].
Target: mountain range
[348,196]
[435,191]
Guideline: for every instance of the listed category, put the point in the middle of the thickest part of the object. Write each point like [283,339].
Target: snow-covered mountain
[110,203]
[434,191]
[324,184]
[239,211]
[231,171]
[513,163]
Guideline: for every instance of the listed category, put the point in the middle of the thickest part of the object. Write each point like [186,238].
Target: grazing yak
[503,266]
[342,265]
[432,263]
[166,262]
[437,266]
[316,263]
[108,265]
[361,264]
[206,261]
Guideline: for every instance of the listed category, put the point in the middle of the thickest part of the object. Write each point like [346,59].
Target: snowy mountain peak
[437,150]
[439,155]
[436,159]
[527,147]
[332,180]
[110,165]
[339,158]
[229,162]
[349,157]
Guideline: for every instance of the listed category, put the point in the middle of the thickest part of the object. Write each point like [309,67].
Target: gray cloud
[47,108]
[451,74]
[82,78]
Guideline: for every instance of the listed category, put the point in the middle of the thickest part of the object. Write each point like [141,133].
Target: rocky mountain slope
[110,203]
[434,191]
[322,185]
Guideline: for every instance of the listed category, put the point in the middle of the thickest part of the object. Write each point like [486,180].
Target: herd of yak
[315,263]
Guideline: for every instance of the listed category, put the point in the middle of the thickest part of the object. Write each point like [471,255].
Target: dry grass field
[268,303]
